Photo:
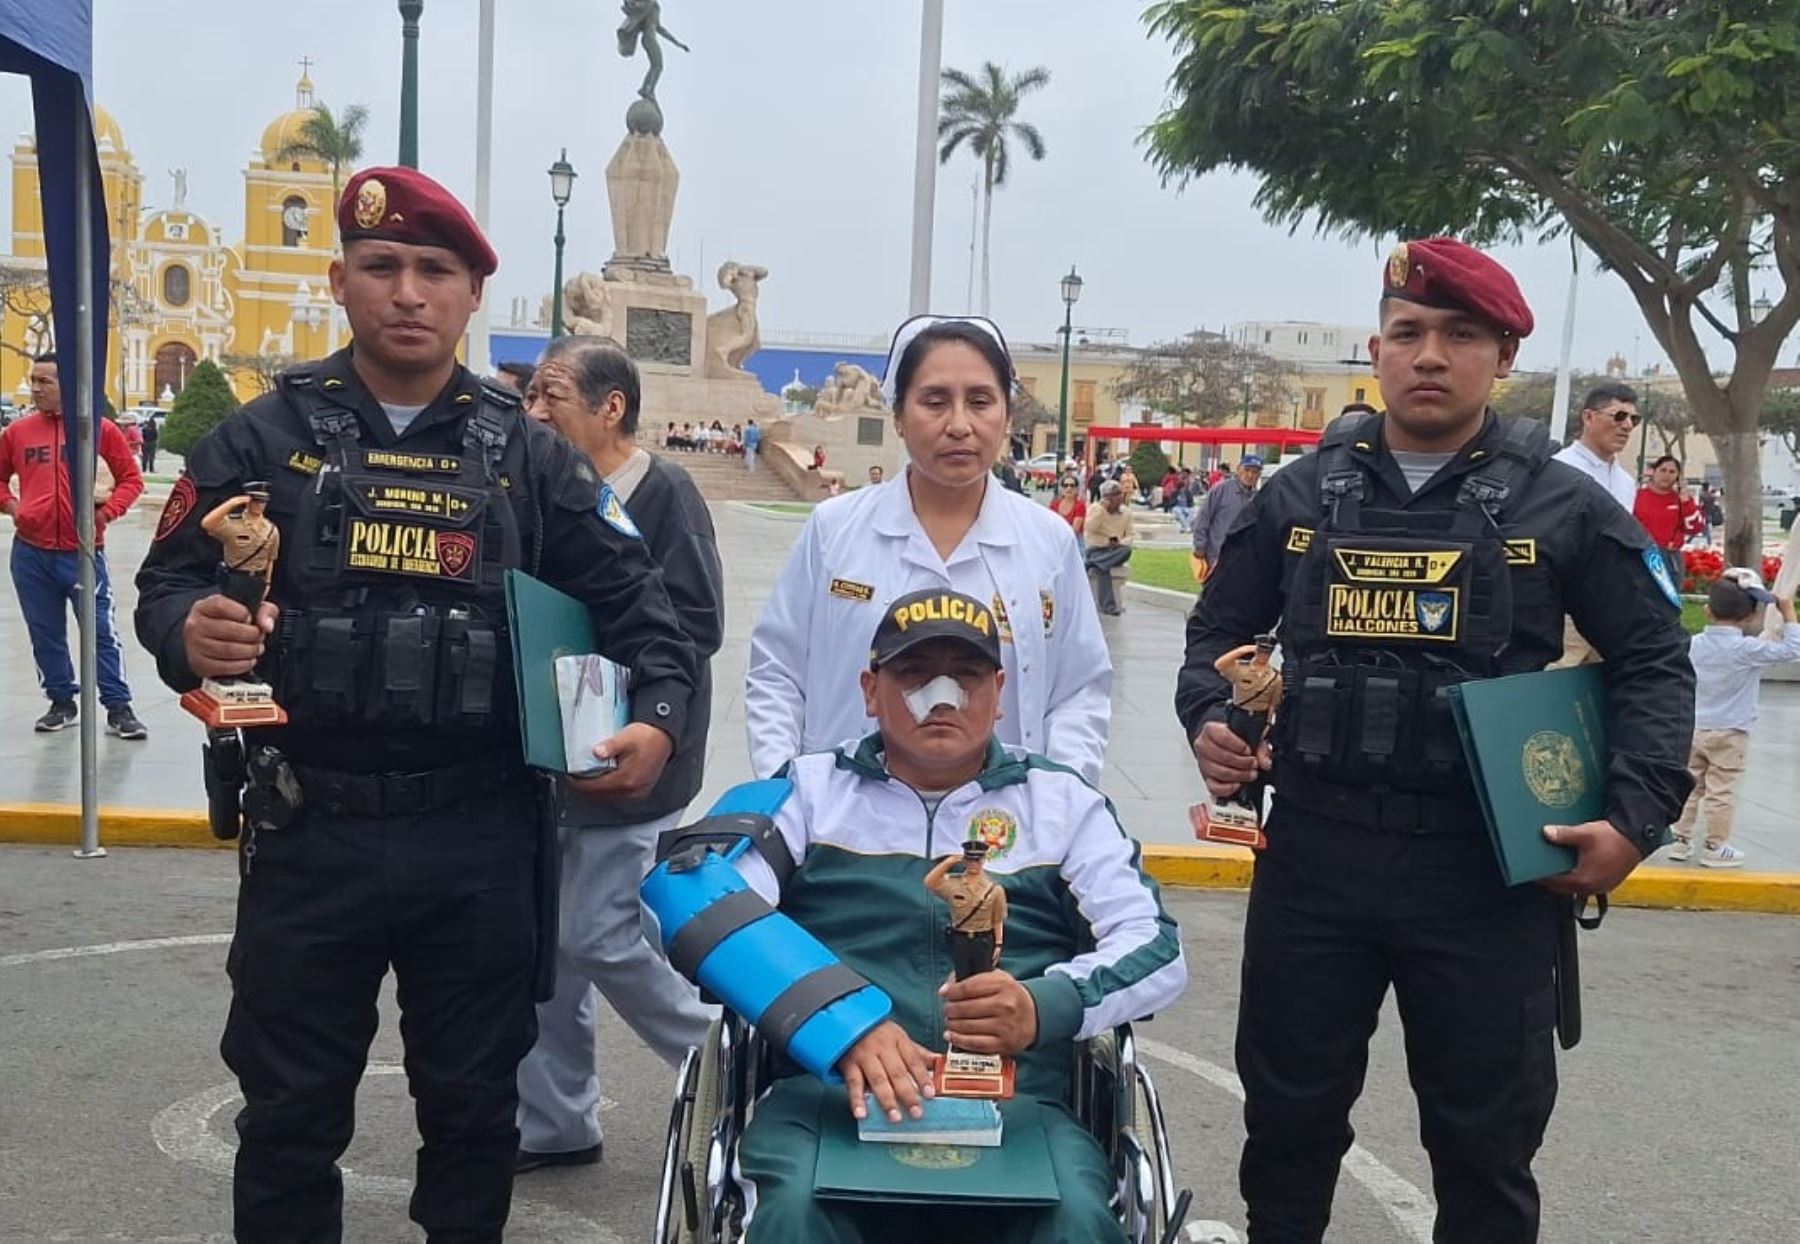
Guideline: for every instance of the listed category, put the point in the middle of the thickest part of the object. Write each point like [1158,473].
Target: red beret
[404,205]
[1442,272]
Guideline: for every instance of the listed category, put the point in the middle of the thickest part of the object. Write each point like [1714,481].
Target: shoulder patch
[612,511]
[176,509]
[1299,539]
[1659,570]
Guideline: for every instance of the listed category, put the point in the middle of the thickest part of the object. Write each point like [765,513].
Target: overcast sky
[792,124]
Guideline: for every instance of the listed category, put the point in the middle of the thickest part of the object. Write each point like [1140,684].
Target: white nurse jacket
[860,552]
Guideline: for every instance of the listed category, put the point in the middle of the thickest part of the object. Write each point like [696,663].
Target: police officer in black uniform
[1429,546]
[391,821]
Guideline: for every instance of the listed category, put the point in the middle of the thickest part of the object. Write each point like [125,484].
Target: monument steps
[722,477]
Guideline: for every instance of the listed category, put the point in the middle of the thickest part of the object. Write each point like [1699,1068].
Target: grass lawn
[783,507]
[1170,568]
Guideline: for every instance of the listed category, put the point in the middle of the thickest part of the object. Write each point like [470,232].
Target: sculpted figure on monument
[643,22]
[850,390]
[732,335]
[587,307]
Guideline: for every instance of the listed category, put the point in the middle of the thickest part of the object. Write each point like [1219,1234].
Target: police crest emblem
[1433,609]
[1552,769]
[998,828]
[1399,267]
[371,203]
[455,550]
[999,607]
[1048,602]
[612,511]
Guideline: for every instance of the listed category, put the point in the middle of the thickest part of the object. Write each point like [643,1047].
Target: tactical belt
[1382,812]
[400,794]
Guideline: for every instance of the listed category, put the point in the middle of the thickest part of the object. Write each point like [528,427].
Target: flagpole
[931,60]
[83,480]
[480,361]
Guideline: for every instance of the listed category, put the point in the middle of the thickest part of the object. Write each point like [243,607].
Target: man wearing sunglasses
[1609,414]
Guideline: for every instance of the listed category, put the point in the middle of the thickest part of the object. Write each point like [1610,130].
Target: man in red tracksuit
[44,557]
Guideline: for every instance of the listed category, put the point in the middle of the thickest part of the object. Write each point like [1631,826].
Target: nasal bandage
[942,690]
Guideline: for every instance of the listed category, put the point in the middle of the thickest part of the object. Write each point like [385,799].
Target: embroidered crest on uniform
[389,546]
[1399,267]
[1659,570]
[997,827]
[1397,565]
[1552,769]
[371,203]
[1048,604]
[1005,623]
[849,589]
[1521,552]
[1359,611]
[305,463]
[612,511]
[179,505]
[1299,539]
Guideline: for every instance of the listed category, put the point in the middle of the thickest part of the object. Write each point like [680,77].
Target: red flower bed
[1703,568]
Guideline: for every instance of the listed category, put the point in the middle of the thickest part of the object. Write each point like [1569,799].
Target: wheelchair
[698,1201]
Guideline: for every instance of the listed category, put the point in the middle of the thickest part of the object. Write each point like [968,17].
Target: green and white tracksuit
[1085,934]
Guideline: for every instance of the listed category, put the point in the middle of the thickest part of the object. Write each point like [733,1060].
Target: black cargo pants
[447,899]
[1337,913]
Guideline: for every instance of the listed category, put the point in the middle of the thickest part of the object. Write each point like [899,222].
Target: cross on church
[306,64]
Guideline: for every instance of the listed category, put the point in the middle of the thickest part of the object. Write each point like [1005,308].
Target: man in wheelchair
[801,903]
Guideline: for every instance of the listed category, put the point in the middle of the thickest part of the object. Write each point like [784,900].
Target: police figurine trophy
[975,934]
[1255,691]
[249,542]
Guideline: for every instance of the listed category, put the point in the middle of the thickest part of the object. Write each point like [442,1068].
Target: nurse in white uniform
[944,521]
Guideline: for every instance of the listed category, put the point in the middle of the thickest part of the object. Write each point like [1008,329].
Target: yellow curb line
[1188,867]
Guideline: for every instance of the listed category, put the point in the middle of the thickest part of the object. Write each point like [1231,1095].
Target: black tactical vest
[1387,609]
[395,613]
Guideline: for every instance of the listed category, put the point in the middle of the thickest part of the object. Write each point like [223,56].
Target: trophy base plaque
[958,1073]
[1230,823]
[226,705]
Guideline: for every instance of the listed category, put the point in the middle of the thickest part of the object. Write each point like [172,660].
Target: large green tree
[1207,380]
[981,111]
[201,406]
[333,140]
[1664,133]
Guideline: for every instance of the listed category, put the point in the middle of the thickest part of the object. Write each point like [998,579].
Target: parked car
[1040,470]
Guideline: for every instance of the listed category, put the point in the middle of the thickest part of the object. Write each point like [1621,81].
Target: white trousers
[603,950]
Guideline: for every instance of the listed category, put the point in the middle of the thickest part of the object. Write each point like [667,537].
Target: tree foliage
[1665,135]
[981,111]
[332,140]
[1781,417]
[1207,380]
[199,408]
[258,370]
[1149,463]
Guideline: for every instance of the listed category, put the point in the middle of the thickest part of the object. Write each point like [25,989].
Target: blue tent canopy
[54,45]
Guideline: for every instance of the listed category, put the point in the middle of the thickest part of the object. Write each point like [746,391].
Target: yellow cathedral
[180,293]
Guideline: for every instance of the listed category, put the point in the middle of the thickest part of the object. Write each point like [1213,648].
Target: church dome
[289,127]
[107,134]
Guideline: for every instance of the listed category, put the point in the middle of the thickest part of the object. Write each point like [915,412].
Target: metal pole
[83,490]
[931,62]
[409,81]
[1559,408]
[478,356]
[556,294]
[1062,414]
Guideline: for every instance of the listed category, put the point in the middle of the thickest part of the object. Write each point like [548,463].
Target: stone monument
[691,363]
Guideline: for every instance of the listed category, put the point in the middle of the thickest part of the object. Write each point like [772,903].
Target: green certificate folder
[545,624]
[1536,745]
[1018,1172]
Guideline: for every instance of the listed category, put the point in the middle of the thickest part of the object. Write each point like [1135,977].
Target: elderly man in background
[1107,535]
[1225,500]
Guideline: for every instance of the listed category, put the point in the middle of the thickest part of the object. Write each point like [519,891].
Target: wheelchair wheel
[696,1155]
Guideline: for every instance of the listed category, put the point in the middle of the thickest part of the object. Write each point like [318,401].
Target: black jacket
[553,492]
[1588,558]
[678,530]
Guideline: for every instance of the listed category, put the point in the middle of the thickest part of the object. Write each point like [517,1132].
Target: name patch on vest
[1422,566]
[413,464]
[425,500]
[387,546]
[849,589]
[1522,552]
[305,463]
[1299,539]
[1360,611]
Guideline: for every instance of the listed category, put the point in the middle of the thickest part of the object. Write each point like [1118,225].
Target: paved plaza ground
[1677,1120]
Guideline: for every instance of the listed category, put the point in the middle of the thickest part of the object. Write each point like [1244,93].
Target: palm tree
[335,141]
[980,110]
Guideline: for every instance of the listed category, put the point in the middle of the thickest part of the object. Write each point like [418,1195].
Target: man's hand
[1603,858]
[891,1065]
[989,1013]
[1226,763]
[10,509]
[641,750]
[220,638]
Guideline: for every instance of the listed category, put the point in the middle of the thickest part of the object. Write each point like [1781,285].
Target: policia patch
[1394,594]
[388,546]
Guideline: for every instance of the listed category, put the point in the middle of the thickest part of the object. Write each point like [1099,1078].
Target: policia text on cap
[404,488]
[1433,544]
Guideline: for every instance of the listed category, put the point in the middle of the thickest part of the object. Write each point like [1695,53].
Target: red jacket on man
[34,448]
[1669,517]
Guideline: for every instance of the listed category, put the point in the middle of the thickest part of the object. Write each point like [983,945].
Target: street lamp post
[1071,291]
[410,11]
[562,185]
